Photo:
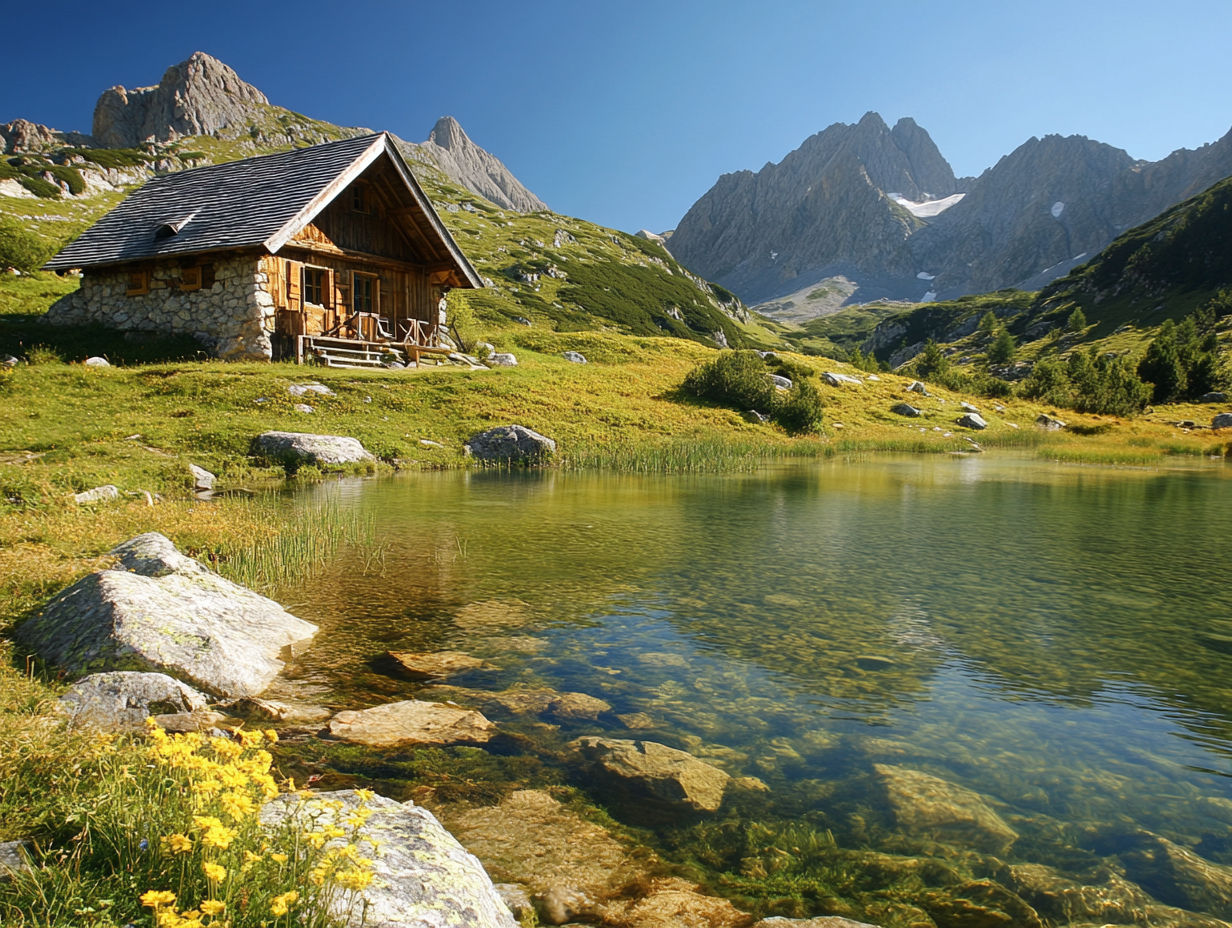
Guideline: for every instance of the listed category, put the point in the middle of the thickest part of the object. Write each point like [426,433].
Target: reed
[689,456]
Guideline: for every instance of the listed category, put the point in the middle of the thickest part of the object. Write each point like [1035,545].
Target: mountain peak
[198,96]
[452,150]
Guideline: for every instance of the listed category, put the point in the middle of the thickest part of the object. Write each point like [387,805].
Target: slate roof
[258,202]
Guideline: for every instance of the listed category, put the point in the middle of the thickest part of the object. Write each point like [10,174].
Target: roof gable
[259,202]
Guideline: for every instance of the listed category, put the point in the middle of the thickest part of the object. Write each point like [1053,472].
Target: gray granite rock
[423,878]
[905,409]
[575,356]
[1222,421]
[98,494]
[202,478]
[837,380]
[96,362]
[783,383]
[972,420]
[1049,423]
[122,700]
[1206,398]
[302,447]
[917,387]
[928,806]
[13,859]
[510,443]
[162,611]
[502,359]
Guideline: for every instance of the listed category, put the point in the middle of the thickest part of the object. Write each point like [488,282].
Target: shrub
[1089,383]
[988,323]
[1180,362]
[735,378]
[801,412]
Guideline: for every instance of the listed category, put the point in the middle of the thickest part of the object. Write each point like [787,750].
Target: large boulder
[930,807]
[835,379]
[423,878]
[1222,421]
[303,448]
[162,611]
[122,700]
[1176,875]
[412,722]
[653,774]
[438,663]
[972,420]
[510,443]
[906,409]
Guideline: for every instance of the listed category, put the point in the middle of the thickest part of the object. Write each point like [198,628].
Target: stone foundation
[233,319]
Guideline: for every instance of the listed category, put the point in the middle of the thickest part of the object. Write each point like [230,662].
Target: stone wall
[233,319]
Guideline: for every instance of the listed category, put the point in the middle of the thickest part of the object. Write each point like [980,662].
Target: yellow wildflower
[364,795]
[214,873]
[280,904]
[251,858]
[157,897]
[281,858]
[178,844]
[315,838]
[213,907]
[354,880]
[236,806]
[271,734]
[250,739]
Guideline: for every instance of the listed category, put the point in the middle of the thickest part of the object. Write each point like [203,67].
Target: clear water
[1057,639]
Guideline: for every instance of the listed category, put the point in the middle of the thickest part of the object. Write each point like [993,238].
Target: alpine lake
[964,691]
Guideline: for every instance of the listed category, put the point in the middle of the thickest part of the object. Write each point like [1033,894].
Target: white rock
[836,379]
[98,494]
[162,611]
[97,362]
[783,383]
[574,356]
[502,359]
[311,449]
[122,700]
[202,478]
[303,407]
[300,389]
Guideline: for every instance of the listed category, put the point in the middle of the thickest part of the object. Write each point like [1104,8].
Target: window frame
[322,283]
[190,278]
[359,198]
[373,294]
[138,283]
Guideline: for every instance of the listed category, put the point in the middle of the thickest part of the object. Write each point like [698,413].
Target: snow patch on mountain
[926,209]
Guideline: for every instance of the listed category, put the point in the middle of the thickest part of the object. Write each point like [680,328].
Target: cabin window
[138,283]
[190,278]
[359,198]
[207,276]
[363,302]
[314,285]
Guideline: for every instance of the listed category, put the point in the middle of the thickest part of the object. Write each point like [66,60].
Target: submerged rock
[423,877]
[674,903]
[270,710]
[931,807]
[659,775]
[412,722]
[439,663]
[1113,900]
[122,700]
[510,443]
[1176,875]
[979,904]
[305,448]
[825,921]
[162,611]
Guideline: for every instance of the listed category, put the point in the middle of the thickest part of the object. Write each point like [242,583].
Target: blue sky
[625,112]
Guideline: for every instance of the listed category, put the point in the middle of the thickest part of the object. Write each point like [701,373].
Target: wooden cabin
[331,252]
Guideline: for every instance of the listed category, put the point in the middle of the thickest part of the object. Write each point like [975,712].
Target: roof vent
[172,226]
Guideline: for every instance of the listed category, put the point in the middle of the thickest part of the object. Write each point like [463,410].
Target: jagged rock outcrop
[195,97]
[451,149]
[21,135]
[882,208]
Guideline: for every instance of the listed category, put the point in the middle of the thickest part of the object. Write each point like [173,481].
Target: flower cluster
[219,852]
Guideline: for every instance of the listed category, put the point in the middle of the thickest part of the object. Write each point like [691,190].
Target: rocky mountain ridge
[880,208]
[202,96]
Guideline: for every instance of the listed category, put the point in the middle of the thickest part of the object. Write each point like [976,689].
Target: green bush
[1089,383]
[1002,350]
[801,412]
[988,323]
[735,378]
[1181,363]
[932,362]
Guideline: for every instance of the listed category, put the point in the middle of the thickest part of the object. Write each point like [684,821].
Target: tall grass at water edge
[689,456]
[309,538]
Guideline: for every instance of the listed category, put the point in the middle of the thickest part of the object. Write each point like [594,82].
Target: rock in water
[423,877]
[510,443]
[439,663]
[303,448]
[906,409]
[658,774]
[972,420]
[122,700]
[412,722]
[825,921]
[981,903]
[1177,875]
[162,611]
[929,806]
